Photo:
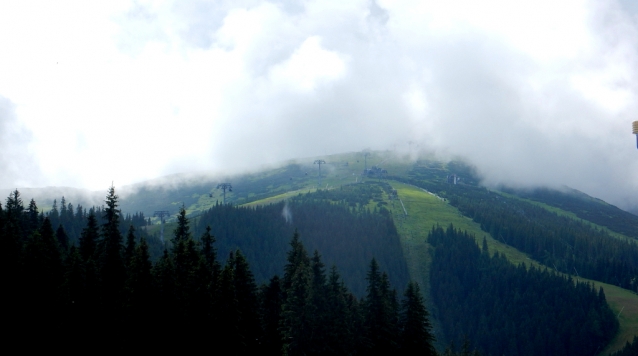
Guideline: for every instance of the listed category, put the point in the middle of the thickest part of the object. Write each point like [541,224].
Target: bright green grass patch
[625,304]
[425,210]
[277,198]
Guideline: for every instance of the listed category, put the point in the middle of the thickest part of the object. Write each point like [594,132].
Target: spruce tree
[44,276]
[380,313]
[129,250]
[227,307]
[416,336]
[139,287]
[62,237]
[297,307]
[111,264]
[271,299]
[247,304]
[33,221]
[339,321]
[89,238]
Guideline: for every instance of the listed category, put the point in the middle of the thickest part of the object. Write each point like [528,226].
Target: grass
[569,214]
[425,210]
[276,198]
[625,304]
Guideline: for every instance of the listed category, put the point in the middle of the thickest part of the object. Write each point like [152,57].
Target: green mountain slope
[426,195]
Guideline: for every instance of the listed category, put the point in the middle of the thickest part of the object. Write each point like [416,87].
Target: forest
[566,244]
[106,286]
[513,310]
[244,277]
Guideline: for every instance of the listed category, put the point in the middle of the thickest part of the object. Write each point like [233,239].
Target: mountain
[564,232]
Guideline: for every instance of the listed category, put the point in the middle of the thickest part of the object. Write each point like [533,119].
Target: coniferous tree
[208,271]
[317,342]
[129,250]
[227,307]
[74,296]
[210,252]
[111,264]
[139,287]
[89,238]
[14,204]
[297,308]
[380,313]
[165,287]
[44,276]
[416,336]
[11,255]
[62,237]
[247,305]
[33,220]
[271,299]
[186,259]
[339,319]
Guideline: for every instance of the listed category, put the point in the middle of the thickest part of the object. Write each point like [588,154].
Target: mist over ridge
[530,94]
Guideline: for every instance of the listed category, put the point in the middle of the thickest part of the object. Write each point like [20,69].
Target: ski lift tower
[366,153]
[319,162]
[161,214]
[224,186]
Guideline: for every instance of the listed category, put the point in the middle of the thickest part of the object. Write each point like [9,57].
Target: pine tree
[89,238]
[297,307]
[164,282]
[33,221]
[186,258]
[380,313]
[247,304]
[339,321]
[74,290]
[318,322]
[111,264]
[44,276]
[297,256]
[62,237]
[416,337]
[227,307]
[139,287]
[129,250]
[182,231]
[271,299]
[210,254]
[14,204]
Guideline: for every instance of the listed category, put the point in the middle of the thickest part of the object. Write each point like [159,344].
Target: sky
[533,93]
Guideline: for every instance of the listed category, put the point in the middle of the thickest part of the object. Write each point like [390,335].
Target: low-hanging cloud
[16,160]
[532,94]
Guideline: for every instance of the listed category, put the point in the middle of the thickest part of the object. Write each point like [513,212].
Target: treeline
[513,310]
[630,349]
[106,291]
[565,244]
[348,235]
[68,220]
[584,207]
[568,245]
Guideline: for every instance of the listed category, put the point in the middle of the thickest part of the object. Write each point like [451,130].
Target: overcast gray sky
[533,93]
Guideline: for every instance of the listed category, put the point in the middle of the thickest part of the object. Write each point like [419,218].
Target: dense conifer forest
[338,223]
[245,276]
[107,287]
[513,310]
[568,245]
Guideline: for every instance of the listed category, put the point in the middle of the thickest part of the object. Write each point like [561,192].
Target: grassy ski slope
[426,210]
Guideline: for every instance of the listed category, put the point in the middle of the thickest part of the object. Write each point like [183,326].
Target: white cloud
[533,93]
